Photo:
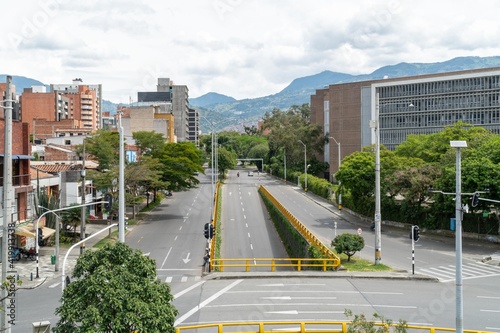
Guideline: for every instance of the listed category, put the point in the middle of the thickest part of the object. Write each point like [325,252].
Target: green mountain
[230,113]
[21,82]
[248,111]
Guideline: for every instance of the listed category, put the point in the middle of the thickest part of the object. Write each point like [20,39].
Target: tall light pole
[58,221]
[284,162]
[375,124]
[338,168]
[458,238]
[121,184]
[305,165]
[84,209]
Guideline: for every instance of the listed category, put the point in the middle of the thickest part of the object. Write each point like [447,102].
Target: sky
[239,48]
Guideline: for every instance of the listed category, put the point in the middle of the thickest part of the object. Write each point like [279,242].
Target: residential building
[177,96]
[194,126]
[421,104]
[85,102]
[20,197]
[46,112]
[148,117]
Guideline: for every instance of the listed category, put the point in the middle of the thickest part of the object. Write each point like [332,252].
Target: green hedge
[296,246]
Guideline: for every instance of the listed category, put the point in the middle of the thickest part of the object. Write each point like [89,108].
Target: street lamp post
[338,168]
[37,247]
[58,221]
[121,184]
[84,193]
[458,237]
[375,124]
[305,165]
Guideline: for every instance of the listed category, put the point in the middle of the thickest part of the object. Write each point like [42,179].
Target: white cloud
[244,49]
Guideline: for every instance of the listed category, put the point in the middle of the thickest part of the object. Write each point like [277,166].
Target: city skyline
[237,48]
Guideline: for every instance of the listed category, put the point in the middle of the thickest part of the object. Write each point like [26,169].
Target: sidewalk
[25,269]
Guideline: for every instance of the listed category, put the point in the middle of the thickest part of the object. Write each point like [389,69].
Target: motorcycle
[18,253]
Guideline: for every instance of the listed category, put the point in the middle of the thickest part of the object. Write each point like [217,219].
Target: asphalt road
[298,298]
[173,236]
[246,229]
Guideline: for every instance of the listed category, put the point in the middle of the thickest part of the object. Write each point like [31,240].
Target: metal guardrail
[308,235]
[273,263]
[297,327]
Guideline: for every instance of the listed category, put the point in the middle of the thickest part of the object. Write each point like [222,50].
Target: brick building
[20,163]
[422,104]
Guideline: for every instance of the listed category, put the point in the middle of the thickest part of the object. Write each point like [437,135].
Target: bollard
[31,276]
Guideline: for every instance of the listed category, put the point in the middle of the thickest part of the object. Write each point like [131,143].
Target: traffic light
[209,230]
[475,199]
[40,237]
[416,233]
[109,198]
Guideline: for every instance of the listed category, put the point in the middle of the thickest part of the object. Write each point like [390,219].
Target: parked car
[250,173]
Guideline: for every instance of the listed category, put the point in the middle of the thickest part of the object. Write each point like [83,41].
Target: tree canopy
[115,289]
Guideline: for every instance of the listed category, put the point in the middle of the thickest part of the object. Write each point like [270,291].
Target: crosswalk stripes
[469,271]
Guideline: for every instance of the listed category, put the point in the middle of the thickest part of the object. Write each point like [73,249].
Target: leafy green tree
[149,143]
[226,161]
[284,130]
[115,289]
[181,161]
[103,146]
[348,244]
[360,323]
[45,202]
[71,218]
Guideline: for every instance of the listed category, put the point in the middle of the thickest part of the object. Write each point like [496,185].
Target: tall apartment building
[58,109]
[422,104]
[178,96]
[194,126]
[86,101]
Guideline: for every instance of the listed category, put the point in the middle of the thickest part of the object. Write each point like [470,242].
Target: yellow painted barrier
[308,235]
[296,327]
[298,263]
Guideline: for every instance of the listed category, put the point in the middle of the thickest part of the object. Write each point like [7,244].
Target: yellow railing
[308,235]
[295,327]
[298,263]
[214,221]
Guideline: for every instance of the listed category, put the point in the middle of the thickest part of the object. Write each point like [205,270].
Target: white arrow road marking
[290,284]
[187,258]
[295,312]
[289,298]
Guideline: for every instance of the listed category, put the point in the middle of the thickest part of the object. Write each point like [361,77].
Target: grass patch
[360,265]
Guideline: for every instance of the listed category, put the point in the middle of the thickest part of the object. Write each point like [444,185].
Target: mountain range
[217,108]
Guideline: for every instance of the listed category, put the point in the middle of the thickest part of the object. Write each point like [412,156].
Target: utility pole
[84,209]
[6,295]
[121,183]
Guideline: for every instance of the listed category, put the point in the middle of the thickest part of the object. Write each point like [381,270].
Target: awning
[25,231]
[20,157]
[29,231]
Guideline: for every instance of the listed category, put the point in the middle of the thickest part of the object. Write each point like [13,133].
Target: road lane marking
[314,304]
[169,279]
[495,311]
[488,297]
[206,302]
[166,257]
